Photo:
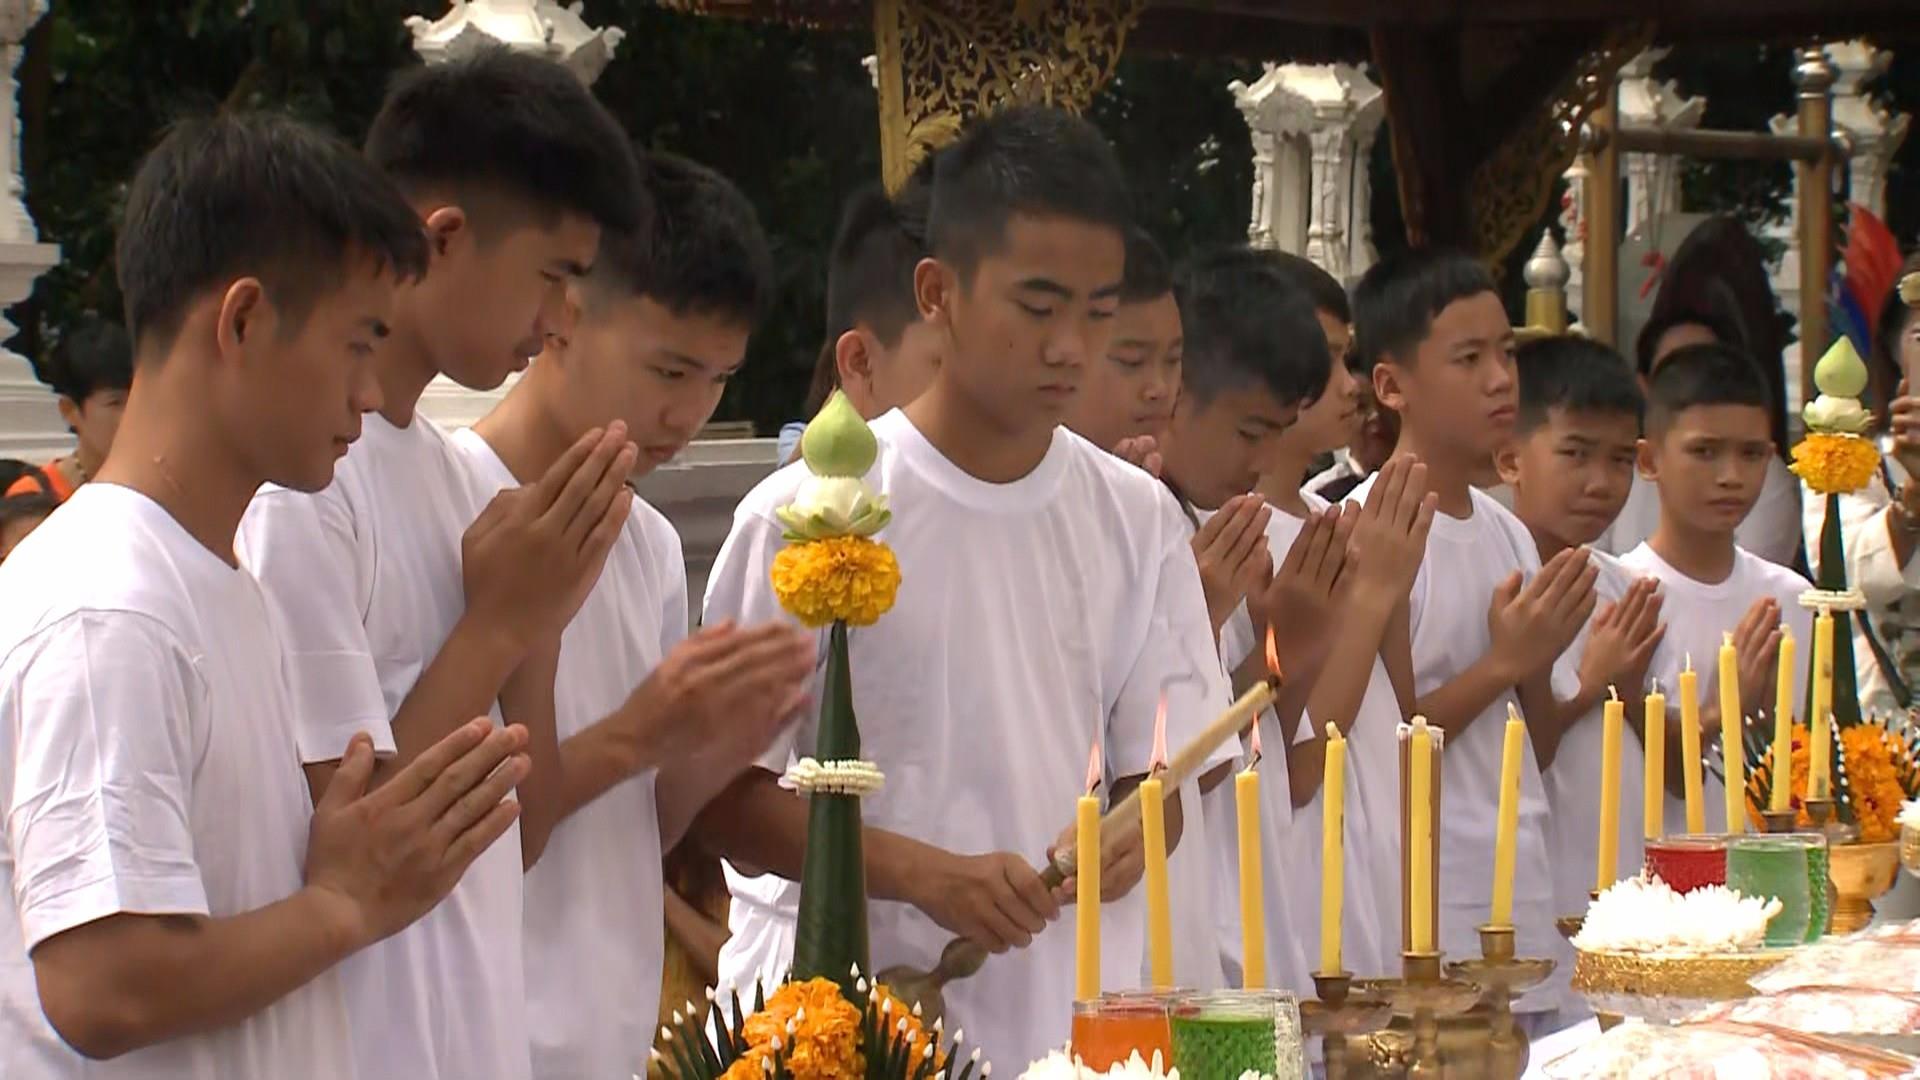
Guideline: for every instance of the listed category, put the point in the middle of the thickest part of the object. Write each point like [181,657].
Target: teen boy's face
[304,384]
[496,295]
[95,420]
[1571,475]
[1220,449]
[662,372]
[1333,420]
[1030,318]
[1460,389]
[1710,464]
[1130,391]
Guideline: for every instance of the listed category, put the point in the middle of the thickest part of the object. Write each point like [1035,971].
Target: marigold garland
[1835,464]
[1875,790]
[847,579]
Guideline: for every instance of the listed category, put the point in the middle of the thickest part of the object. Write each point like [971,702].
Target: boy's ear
[69,411]
[1506,462]
[853,358]
[934,284]
[1644,460]
[1386,386]
[446,226]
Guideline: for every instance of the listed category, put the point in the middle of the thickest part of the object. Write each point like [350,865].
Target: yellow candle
[1690,749]
[1781,797]
[1333,850]
[1733,759]
[1420,833]
[1820,755]
[1086,894]
[1656,787]
[1153,833]
[1613,719]
[1507,824]
[1253,915]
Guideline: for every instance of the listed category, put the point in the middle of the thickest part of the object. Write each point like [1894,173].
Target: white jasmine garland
[1644,915]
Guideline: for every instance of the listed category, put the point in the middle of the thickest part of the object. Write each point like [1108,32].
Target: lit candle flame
[1159,759]
[1689,666]
[1613,692]
[1093,768]
[1513,712]
[1255,747]
[1273,656]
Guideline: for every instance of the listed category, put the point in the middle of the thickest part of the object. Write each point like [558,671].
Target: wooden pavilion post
[1814,78]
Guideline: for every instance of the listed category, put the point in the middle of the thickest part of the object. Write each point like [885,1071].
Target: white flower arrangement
[1644,915]
[1910,814]
[1062,1065]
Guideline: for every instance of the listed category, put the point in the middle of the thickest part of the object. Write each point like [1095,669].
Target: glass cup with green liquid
[1777,867]
[1230,1032]
[1819,902]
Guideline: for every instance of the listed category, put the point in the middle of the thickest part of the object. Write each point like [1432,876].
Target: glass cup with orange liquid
[1112,1027]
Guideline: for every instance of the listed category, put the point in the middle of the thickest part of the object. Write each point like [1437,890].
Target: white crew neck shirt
[365,576]
[1697,615]
[1033,618]
[1770,531]
[1467,558]
[594,919]
[147,766]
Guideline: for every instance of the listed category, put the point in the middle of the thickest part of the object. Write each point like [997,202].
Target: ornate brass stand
[1780,821]
[1339,1013]
[1502,977]
[1424,998]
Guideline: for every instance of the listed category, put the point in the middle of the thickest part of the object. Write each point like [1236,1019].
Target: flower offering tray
[1667,988]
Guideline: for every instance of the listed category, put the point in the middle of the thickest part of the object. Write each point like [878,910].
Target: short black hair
[94,354]
[26,507]
[703,254]
[1577,374]
[254,194]
[1396,301]
[1245,323]
[1149,277]
[1026,160]
[522,125]
[870,269]
[1697,375]
[1303,272]
[1724,330]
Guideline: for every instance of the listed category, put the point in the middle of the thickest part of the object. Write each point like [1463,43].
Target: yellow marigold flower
[1874,791]
[1835,464]
[824,1043]
[847,579]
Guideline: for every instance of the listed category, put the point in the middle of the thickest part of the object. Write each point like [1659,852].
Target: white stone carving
[542,27]
[1653,180]
[1874,133]
[30,426]
[1312,129]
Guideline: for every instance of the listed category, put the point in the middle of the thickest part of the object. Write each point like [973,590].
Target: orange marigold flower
[1835,464]
[848,579]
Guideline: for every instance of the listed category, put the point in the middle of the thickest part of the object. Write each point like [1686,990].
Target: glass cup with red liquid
[1689,862]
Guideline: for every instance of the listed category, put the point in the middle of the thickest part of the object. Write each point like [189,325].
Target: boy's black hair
[521,125]
[1306,274]
[93,355]
[25,507]
[870,269]
[703,254]
[1026,160]
[261,195]
[1703,375]
[1396,301]
[1245,323]
[1576,374]
[1149,277]
[1724,330]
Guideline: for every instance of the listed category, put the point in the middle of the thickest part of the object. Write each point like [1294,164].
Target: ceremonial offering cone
[830,939]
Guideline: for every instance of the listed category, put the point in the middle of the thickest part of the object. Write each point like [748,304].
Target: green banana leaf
[831,936]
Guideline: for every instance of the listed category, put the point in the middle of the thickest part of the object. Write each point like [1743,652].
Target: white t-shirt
[1573,780]
[1033,617]
[1370,918]
[147,766]
[1771,529]
[1467,558]
[593,902]
[1697,616]
[365,576]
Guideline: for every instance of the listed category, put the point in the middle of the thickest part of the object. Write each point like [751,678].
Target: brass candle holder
[1569,925]
[1502,977]
[1780,821]
[1820,812]
[1424,997]
[1339,1013]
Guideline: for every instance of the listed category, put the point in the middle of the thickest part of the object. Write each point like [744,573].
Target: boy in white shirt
[1048,599]
[650,723]
[1355,690]
[1486,621]
[1707,448]
[172,899]
[403,602]
[1570,466]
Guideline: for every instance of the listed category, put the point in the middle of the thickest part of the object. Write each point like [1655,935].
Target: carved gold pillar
[943,62]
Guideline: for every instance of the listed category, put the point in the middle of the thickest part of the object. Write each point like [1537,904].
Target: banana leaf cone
[831,935]
[1846,684]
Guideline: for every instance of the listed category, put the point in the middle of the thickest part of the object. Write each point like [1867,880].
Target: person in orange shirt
[90,370]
